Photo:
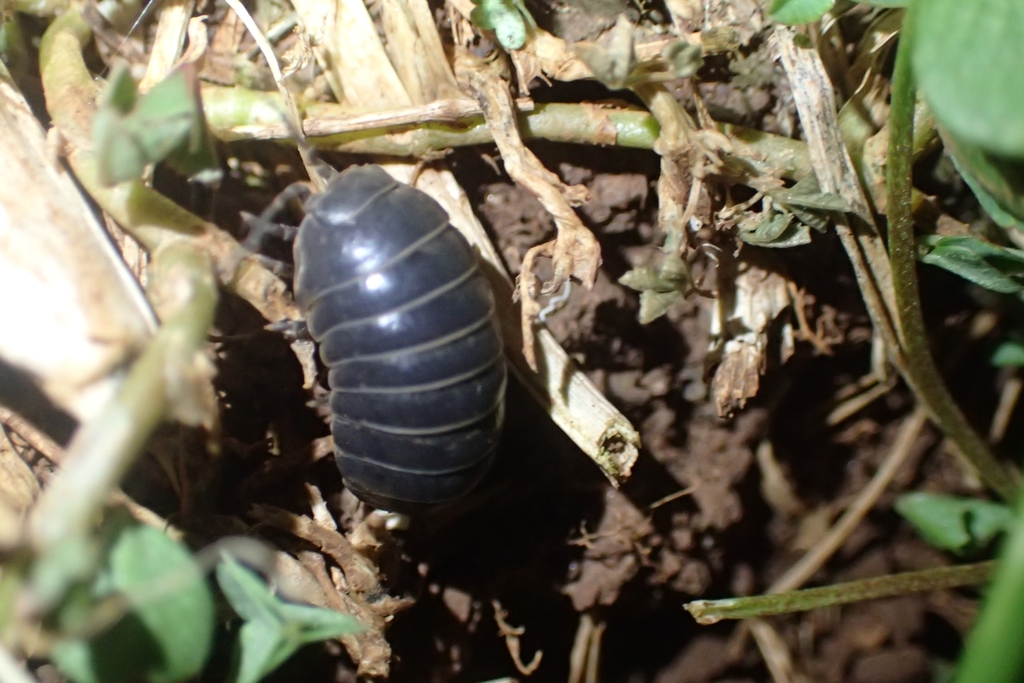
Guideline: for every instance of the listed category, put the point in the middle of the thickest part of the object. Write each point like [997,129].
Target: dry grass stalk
[171,29]
[815,101]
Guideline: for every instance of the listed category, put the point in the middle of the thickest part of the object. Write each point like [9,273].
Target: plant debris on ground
[760,304]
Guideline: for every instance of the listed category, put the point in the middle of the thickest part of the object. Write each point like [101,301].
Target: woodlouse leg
[264,225]
[299,190]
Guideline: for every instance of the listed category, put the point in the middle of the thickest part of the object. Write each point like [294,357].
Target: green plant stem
[238,113]
[711,611]
[924,375]
[993,653]
[243,114]
[103,449]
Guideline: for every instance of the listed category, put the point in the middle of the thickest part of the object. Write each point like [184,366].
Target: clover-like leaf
[509,19]
[273,629]
[960,525]
[165,634]
[167,123]
[983,263]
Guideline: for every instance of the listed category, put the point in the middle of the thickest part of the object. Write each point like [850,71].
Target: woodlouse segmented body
[406,324]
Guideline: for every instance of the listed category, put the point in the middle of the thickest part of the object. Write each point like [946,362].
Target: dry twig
[511,635]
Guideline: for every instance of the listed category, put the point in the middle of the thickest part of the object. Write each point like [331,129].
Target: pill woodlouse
[406,324]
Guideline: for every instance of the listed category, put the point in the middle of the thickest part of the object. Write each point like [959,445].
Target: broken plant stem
[924,375]
[940,578]
[103,449]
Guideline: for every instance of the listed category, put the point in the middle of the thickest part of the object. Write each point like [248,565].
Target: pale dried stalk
[349,49]
[816,557]
[416,50]
[575,252]
[171,30]
[73,313]
[816,104]
[774,651]
[565,392]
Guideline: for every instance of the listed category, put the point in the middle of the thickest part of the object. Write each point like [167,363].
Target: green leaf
[998,184]
[777,231]
[509,19]
[884,3]
[793,12]
[819,220]
[263,648]
[273,629]
[644,278]
[806,194]
[653,304]
[985,264]
[968,58]
[1008,354]
[247,594]
[167,632]
[960,525]
[167,123]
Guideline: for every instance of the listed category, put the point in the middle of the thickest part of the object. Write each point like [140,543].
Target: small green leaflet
[777,230]
[788,215]
[167,123]
[1009,354]
[983,263]
[961,525]
[997,184]
[166,634]
[273,629]
[793,12]
[511,22]
[662,287]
